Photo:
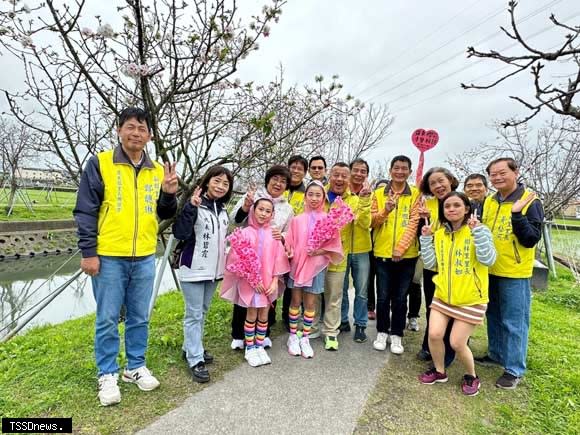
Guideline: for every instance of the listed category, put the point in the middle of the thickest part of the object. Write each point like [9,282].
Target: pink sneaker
[431,376]
[470,385]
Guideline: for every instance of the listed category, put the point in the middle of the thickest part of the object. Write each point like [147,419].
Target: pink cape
[274,264]
[303,267]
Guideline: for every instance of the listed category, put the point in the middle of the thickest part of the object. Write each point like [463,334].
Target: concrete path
[323,395]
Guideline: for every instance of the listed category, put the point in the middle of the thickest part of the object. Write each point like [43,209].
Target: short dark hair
[340,165]
[381,181]
[137,113]
[359,160]
[299,159]
[510,162]
[476,177]
[400,158]
[216,171]
[317,158]
[424,187]
[277,170]
[460,195]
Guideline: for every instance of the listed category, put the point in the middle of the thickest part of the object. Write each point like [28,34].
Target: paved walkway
[323,395]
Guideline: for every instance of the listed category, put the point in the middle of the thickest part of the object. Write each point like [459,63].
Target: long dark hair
[461,196]
[216,171]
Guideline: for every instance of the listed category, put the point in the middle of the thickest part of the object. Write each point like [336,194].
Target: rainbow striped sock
[293,314]
[249,333]
[307,321]
[261,330]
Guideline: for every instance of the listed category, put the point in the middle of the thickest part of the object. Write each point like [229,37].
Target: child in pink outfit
[274,264]
[307,267]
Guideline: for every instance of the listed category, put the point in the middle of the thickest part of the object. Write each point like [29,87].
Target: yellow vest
[127,224]
[386,237]
[513,259]
[461,280]
[356,236]
[296,200]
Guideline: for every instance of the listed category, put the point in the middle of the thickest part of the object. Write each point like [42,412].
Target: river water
[25,282]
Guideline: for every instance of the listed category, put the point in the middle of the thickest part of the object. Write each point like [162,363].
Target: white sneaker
[396,345]
[142,377]
[305,348]
[413,324]
[237,344]
[109,393]
[267,343]
[293,344]
[381,342]
[253,357]
[315,334]
[264,357]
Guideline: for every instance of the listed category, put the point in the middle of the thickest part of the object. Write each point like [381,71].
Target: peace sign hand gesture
[427,230]
[366,189]
[249,197]
[473,220]
[423,210]
[521,203]
[196,197]
[170,183]
[392,202]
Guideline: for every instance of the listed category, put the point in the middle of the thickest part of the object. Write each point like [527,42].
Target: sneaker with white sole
[397,345]
[305,348]
[264,357]
[267,343]
[252,355]
[142,377]
[381,342]
[109,393]
[293,344]
[237,344]
[315,334]
[413,324]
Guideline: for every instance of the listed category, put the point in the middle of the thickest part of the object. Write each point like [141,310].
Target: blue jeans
[119,282]
[359,265]
[393,279]
[508,322]
[197,297]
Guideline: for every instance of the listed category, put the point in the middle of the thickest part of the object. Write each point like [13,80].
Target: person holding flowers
[313,241]
[254,273]
[360,205]
[203,226]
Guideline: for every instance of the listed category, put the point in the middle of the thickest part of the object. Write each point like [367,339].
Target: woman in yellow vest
[436,183]
[461,251]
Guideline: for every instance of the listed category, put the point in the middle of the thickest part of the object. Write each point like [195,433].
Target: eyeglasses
[317,168]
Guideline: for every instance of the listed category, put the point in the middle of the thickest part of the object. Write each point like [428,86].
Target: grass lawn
[566,243]
[56,205]
[547,400]
[568,221]
[50,371]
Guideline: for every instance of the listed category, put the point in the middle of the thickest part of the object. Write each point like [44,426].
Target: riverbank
[50,372]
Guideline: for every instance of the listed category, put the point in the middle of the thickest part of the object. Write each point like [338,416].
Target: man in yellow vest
[121,194]
[358,261]
[515,218]
[334,280]
[395,218]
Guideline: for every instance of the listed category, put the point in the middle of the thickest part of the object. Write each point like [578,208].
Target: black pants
[429,289]
[239,318]
[414,299]
[371,284]
[393,278]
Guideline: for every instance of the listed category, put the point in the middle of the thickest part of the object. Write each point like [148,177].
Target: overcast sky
[408,54]
[405,52]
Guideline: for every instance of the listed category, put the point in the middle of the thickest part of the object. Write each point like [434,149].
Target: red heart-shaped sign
[424,139]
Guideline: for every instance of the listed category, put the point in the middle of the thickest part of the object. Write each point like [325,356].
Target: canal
[27,281]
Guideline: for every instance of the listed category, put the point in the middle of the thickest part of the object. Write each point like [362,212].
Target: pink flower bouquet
[328,227]
[248,264]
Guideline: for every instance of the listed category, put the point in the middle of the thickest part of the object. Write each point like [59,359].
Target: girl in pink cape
[308,268]
[273,264]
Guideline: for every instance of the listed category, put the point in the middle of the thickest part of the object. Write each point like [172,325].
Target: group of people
[303,240]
